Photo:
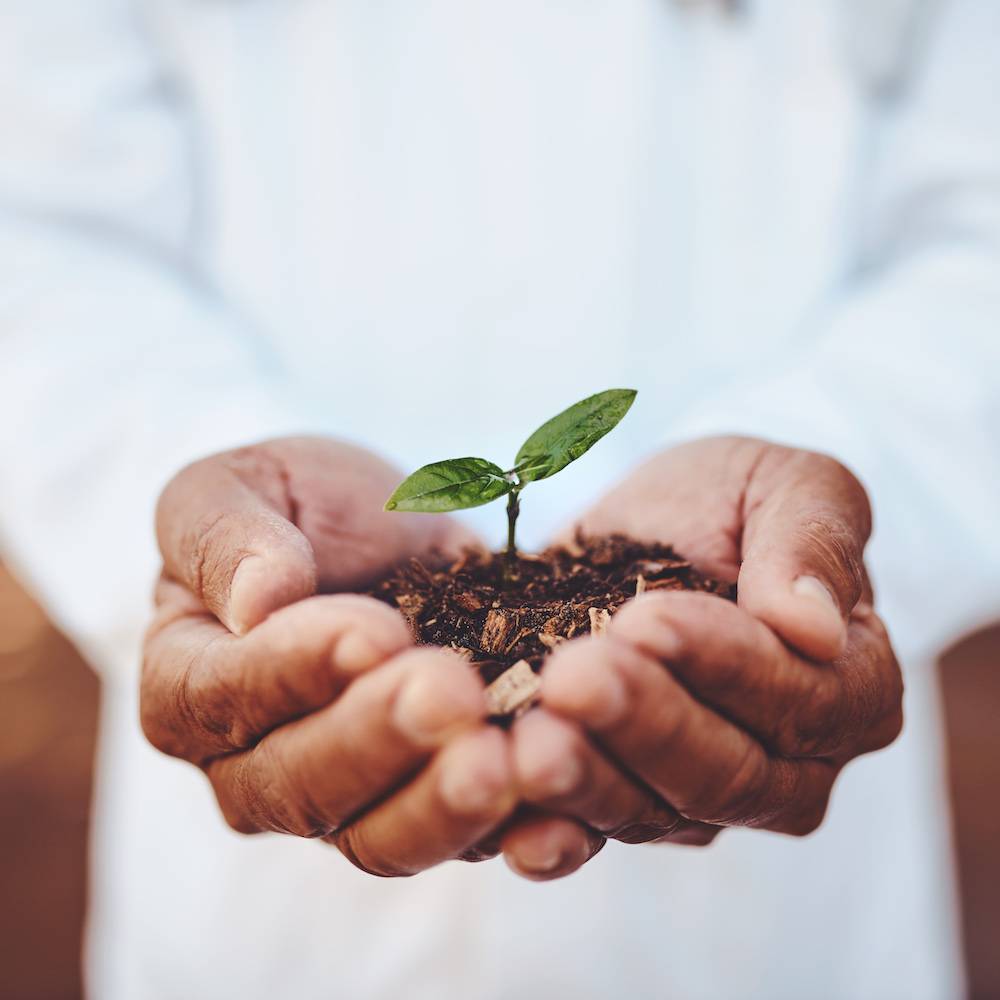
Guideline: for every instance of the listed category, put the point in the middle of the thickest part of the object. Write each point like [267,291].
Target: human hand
[691,713]
[306,706]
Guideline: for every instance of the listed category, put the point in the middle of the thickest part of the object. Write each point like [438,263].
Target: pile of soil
[505,624]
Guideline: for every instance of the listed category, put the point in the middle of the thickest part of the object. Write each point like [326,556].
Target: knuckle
[893,728]
[891,719]
[171,712]
[248,789]
[355,845]
[801,798]
[236,820]
[231,796]
[642,833]
[205,708]
[151,718]
[277,794]
[854,705]
[810,728]
[692,834]
[651,822]
[730,800]
[157,733]
[807,821]
[885,733]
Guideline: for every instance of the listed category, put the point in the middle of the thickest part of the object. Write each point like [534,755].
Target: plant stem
[513,509]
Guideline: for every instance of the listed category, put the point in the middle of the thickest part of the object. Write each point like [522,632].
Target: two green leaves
[459,483]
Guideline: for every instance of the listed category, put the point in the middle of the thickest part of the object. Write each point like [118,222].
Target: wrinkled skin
[311,712]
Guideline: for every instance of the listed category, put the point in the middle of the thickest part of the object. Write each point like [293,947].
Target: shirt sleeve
[899,376]
[120,363]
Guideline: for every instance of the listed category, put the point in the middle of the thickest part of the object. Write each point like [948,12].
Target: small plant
[460,483]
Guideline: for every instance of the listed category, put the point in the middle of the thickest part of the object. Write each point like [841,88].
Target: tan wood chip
[514,689]
[599,618]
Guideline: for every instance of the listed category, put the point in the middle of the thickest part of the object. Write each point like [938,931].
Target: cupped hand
[307,706]
[691,714]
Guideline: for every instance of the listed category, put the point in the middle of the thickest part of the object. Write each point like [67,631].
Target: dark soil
[548,598]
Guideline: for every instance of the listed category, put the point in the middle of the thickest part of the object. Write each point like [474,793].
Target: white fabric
[226,220]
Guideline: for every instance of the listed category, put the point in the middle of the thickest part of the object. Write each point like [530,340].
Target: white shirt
[227,220]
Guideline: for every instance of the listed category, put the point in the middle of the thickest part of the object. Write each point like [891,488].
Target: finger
[464,792]
[543,847]
[560,771]
[806,522]
[734,663]
[225,529]
[206,691]
[708,769]
[311,776]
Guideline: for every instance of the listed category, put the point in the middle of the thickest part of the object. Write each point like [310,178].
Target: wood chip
[466,654]
[410,604]
[514,689]
[599,618]
[468,602]
[520,634]
[640,585]
[553,625]
[497,630]
[549,640]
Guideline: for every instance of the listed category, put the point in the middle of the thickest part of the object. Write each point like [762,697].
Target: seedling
[461,483]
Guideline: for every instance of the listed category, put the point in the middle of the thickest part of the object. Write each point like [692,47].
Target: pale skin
[312,713]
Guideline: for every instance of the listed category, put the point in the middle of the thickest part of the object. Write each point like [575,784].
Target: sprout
[460,483]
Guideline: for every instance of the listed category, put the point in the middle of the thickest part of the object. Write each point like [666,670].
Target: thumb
[225,531]
[807,522]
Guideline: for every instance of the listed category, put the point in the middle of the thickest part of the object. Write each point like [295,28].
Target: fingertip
[580,681]
[819,607]
[440,695]
[548,848]
[546,756]
[263,583]
[656,622]
[477,776]
[359,651]
[804,614]
[374,634]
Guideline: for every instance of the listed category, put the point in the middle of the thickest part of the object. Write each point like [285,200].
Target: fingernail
[812,588]
[357,652]
[247,579]
[425,713]
[814,591]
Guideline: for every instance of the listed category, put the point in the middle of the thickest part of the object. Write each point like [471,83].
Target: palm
[334,493]
[691,497]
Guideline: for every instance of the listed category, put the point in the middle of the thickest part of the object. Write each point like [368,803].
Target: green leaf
[570,434]
[455,484]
